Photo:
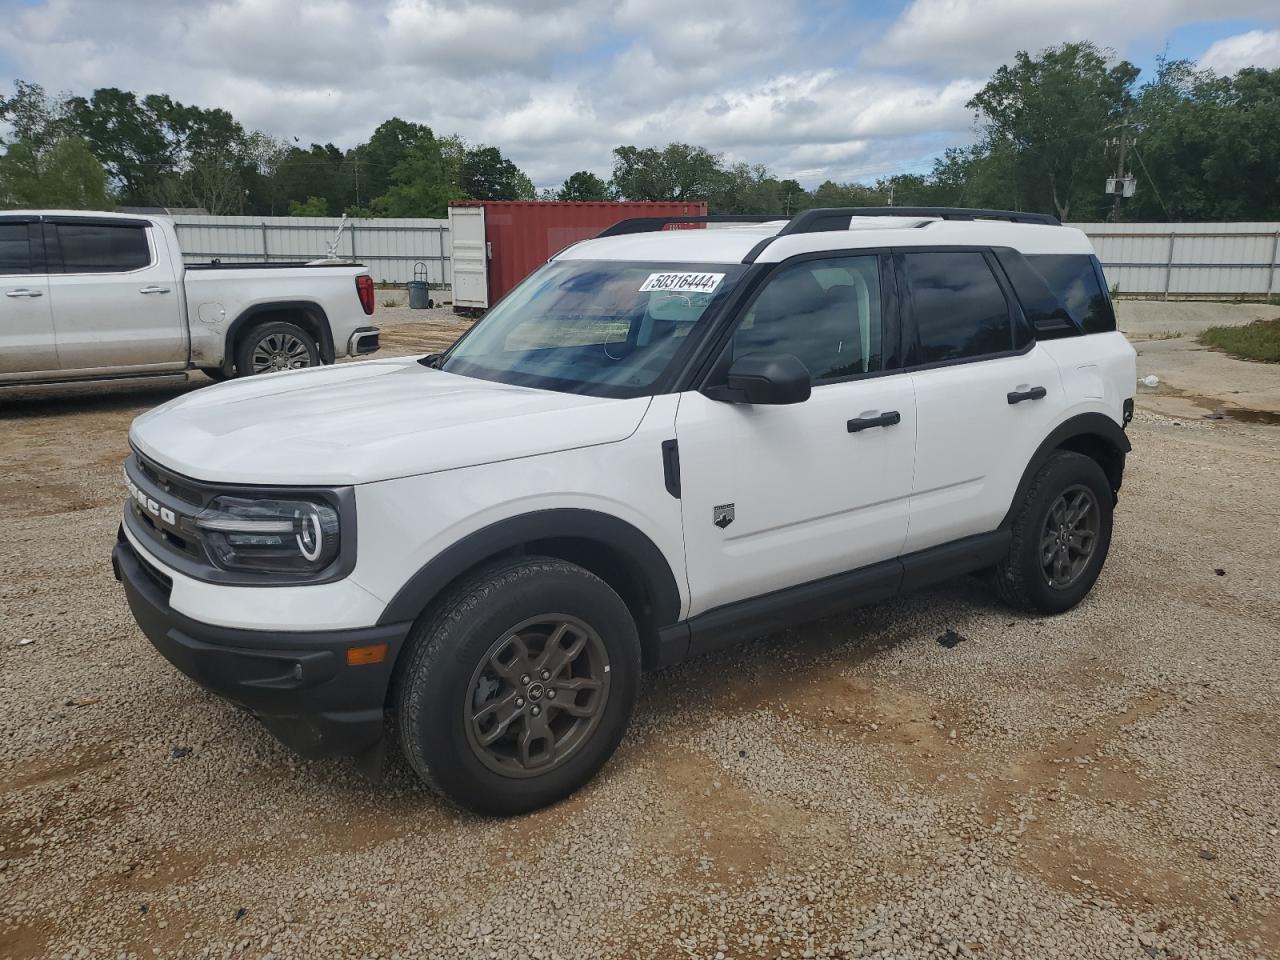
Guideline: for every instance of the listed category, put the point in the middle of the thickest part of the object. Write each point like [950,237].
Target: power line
[1151,180]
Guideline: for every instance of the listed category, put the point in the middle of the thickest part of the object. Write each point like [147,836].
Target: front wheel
[517,687]
[276,346]
[1060,536]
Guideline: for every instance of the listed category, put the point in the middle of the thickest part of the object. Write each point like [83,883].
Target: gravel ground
[1102,784]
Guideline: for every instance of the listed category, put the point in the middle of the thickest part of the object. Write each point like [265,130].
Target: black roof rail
[823,219]
[654,224]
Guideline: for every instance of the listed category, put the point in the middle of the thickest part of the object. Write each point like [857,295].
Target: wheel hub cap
[280,351]
[537,695]
[1070,534]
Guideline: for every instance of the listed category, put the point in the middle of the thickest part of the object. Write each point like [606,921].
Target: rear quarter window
[1074,280]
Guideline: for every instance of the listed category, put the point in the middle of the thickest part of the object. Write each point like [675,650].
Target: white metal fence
[1179,260]
[1189,260]
[391,249]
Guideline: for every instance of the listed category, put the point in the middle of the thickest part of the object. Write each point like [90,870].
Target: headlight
[270,536]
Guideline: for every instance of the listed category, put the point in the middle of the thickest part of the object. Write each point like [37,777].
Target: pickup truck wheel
[276,346]
[216,374]
[1061,535]
[517,686]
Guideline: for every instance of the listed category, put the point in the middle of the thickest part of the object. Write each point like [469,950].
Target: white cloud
[1257,48]
[812,88]
[978,35]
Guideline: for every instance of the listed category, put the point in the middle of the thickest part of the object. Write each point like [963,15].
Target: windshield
[607,328]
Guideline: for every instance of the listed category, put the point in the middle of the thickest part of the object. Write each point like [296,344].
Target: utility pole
[1120,174]
[1115,206]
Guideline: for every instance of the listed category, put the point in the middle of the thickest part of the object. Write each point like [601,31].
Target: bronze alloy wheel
[537,695]
[1069,535]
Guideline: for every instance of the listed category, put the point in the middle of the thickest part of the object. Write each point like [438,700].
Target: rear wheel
[1060,536]
[276,346]
[518,686]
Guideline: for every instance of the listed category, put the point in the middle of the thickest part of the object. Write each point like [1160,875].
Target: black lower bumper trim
[298,684]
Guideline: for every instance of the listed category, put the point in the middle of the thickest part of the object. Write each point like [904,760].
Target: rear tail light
[364,290]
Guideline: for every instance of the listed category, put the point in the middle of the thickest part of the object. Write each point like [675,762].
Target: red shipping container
[521,235]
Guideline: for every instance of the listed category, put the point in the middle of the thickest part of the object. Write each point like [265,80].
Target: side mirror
[772,378]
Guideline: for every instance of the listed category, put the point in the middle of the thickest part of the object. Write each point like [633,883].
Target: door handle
[24,292]
[1034,393]
[154,289]
[886,419]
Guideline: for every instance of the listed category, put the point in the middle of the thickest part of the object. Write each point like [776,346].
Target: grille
[168,482]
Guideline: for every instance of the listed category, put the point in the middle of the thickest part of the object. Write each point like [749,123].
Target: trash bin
[419,291]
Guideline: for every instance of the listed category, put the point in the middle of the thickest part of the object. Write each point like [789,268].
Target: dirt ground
[1101,784]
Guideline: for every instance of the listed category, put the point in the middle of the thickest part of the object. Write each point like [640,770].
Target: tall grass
[1259,340]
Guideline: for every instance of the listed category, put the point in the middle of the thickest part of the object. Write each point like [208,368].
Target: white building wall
[391,249]
[1207,260]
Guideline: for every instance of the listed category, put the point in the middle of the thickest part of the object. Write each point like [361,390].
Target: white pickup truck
[90,296]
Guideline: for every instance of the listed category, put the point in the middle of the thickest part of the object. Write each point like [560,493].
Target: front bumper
[298,684]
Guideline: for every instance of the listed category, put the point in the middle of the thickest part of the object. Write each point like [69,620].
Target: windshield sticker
[682,282]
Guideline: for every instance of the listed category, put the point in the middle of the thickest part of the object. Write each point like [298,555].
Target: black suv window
[103,248]
[959,309]
[15,249]
[1073,278]
[826,312]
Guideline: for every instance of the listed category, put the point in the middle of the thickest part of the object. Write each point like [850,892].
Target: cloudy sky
[816,89]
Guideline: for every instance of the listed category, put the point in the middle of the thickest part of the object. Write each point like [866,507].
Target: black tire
[1040,552]
[446,680]
[216,374]
[277,345]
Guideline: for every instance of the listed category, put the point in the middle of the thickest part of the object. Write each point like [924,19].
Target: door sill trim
[755,616]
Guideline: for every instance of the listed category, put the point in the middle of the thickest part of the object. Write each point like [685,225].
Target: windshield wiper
[433,360]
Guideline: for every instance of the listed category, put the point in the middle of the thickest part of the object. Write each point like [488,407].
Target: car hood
[363,422]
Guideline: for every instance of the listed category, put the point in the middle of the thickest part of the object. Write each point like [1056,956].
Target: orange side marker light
[373,653]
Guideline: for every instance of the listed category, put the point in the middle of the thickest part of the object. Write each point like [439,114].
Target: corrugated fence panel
[1141,259]
[392,249]
[1207,260]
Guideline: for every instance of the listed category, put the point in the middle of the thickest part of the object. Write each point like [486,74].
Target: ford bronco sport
[662,441]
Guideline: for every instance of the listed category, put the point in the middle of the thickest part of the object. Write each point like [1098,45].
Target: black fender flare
[1097,425]
[310,307]
[618,536]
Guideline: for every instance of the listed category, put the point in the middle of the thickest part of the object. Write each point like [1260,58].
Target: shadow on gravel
[93,398]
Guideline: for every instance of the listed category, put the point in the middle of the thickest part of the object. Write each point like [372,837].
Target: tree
[312,207]
[831,194]
[485,174]
[676,172]
[63,175]
[372,162]
[583,186]
[44,164]
[37,120]
[422,184]
[1203,145]
[1053,113]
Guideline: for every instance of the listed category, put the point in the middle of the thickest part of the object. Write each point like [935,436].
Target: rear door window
[15,249]
[103,248]
[1073,278]
[959,308]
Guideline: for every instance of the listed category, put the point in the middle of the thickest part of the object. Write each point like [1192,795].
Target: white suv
[661,442]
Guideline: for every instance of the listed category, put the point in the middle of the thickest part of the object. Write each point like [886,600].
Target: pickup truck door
[114,294]
[27,343]
[776,496]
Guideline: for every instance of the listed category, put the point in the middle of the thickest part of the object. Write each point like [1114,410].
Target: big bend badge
[723,515]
